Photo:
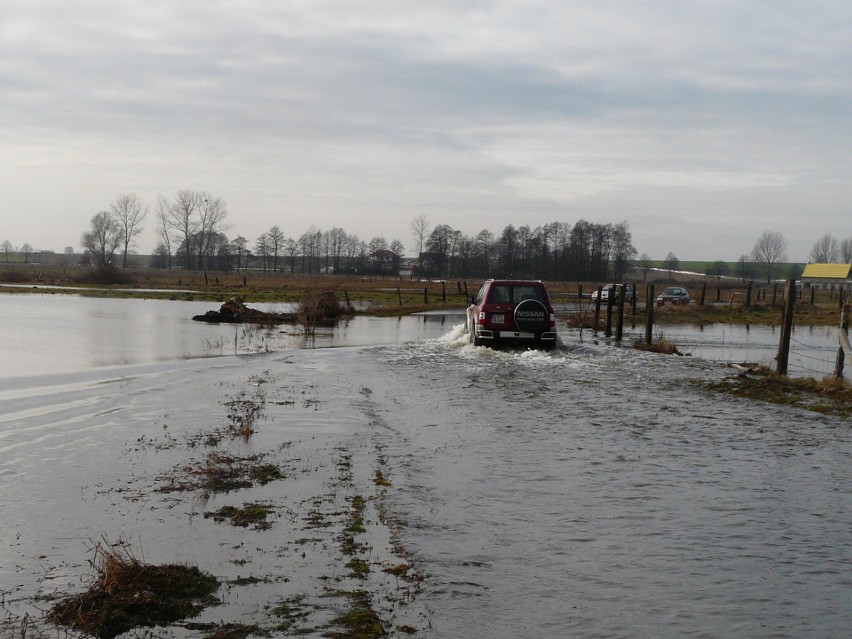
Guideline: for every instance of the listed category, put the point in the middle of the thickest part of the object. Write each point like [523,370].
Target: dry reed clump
[664,346]
[317,307]
[128,593]
[243,413]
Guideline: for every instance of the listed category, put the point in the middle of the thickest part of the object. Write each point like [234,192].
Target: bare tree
[26,249]
[825,250]
[717,269]
[7,248]
[846,251]
[484,247]
[378,243]
[103,238]
[671,263]
[644,264]
[238,246]
[276,243]
[164,229]
[261,247]
[770,248]
[211,223]
[420,230]
[182,219]
[291,247]
[129,212]
[622,249]
[744,268]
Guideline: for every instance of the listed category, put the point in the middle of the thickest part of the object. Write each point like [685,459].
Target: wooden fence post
[649,313]
[399,295]
[633,306]
[844,342]
[610,302]
[748,293]
[786,327]
[425,294]
[703,293]
[444,291]
[619,325]
[598,308]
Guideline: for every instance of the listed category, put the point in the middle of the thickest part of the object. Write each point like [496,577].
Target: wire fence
[810,360]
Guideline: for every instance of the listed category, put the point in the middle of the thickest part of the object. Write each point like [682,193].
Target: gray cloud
[478,113]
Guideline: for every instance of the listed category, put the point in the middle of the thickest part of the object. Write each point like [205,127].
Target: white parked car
[614,288]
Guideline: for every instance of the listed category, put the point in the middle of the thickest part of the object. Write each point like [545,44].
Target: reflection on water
[45,334]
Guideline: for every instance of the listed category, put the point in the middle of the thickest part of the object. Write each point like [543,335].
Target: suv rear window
[511,294]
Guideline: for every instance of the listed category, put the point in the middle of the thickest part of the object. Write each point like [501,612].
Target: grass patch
[828,396]
[379,478]
[128,593]
[756,314]
[250,515]
[360,621]
[356,515]
[235,631]
[358,568]
[243,413]
[291,612]
[221,473]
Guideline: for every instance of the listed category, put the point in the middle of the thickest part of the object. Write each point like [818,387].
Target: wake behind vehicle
[512,312]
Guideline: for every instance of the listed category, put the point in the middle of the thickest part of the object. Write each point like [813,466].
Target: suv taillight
[481,318]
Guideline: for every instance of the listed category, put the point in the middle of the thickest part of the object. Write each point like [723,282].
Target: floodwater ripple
[592,491]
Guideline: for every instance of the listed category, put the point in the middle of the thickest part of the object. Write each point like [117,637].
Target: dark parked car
[673,295]
[512,312]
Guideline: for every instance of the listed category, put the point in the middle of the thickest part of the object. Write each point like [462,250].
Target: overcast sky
[699,123]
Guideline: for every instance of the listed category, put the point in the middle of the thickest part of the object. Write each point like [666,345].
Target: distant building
[384,261]
[828,276]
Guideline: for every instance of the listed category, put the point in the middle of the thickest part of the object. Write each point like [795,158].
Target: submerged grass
[249,515]
[829,396]
[359,621]
[128,593]
[221,473]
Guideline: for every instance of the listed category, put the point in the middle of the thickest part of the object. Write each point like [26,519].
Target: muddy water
[593,491]
[596,492]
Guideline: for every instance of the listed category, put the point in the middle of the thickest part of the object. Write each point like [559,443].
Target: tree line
[192,230]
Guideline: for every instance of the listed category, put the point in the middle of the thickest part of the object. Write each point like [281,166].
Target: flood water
[593,491]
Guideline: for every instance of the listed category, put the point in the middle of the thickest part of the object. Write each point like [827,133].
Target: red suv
[512,312]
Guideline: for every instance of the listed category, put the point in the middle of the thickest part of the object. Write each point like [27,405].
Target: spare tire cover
[531,316]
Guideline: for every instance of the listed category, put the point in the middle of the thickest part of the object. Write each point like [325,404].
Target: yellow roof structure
[827,271]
